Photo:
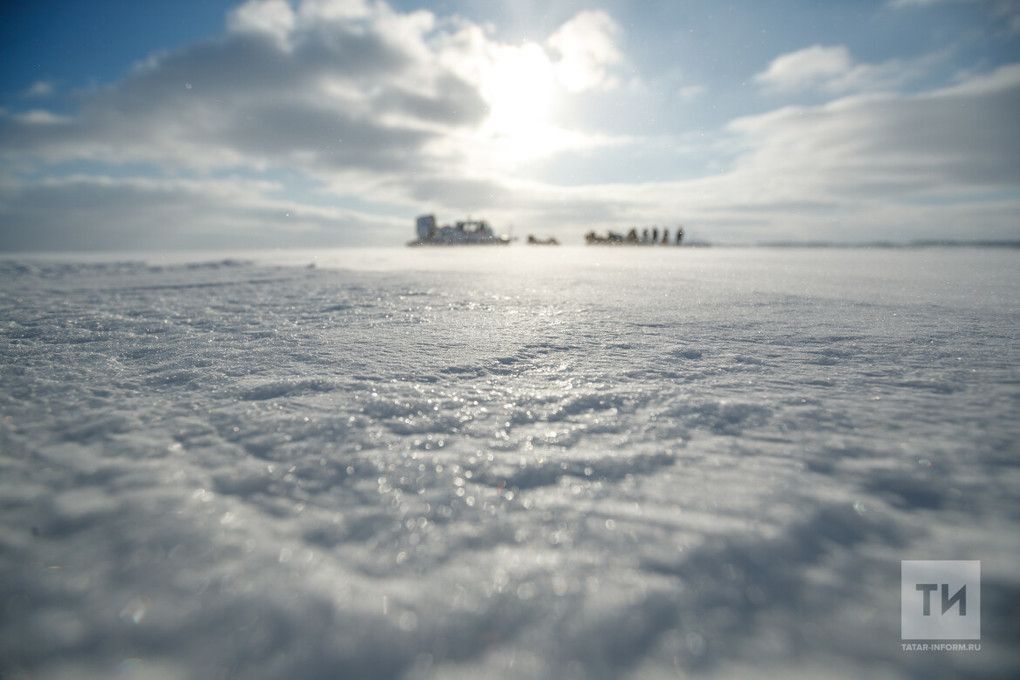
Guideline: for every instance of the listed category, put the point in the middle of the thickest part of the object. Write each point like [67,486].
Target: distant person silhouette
[644,235]
[655,234]
[665,237]
[679,235]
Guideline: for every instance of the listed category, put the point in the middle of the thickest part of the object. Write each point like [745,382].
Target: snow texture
[561,463]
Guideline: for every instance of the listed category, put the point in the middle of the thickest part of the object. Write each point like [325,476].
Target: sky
[267,123]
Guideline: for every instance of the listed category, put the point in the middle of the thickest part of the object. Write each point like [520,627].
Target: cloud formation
[40,89]
[280,87]
[358,98]
[314,123]
[832,70]
[938,162]
[807,67]
[586,51]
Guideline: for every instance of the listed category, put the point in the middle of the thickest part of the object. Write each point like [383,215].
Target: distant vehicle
[467,232]
[535,241]
[611,237]
[633,238]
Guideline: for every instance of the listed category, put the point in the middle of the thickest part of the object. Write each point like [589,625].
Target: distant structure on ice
[468,232]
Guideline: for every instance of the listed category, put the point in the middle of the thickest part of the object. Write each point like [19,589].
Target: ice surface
[456,463]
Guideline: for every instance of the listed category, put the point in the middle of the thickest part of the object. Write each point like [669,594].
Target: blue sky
[333,122]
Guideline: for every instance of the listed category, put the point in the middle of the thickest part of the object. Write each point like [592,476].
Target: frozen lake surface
[562,463]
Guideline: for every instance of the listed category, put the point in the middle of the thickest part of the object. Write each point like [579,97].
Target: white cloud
[691,91]
[39,89]
[943,162]
[338,99]
[40,117]
[807,67]
[586,50]
[274,18]
[338,89]
[958,136]
[333,10]
[832,69]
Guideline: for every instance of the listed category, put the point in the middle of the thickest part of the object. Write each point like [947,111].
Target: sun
[519,87]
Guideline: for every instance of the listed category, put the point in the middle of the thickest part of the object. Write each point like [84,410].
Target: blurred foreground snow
[557,463]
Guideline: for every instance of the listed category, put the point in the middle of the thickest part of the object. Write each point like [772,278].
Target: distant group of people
[647,236]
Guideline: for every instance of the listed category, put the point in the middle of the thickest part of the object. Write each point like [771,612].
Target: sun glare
[519,88]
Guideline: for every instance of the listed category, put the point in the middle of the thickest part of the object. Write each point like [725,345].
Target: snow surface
[517,463]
